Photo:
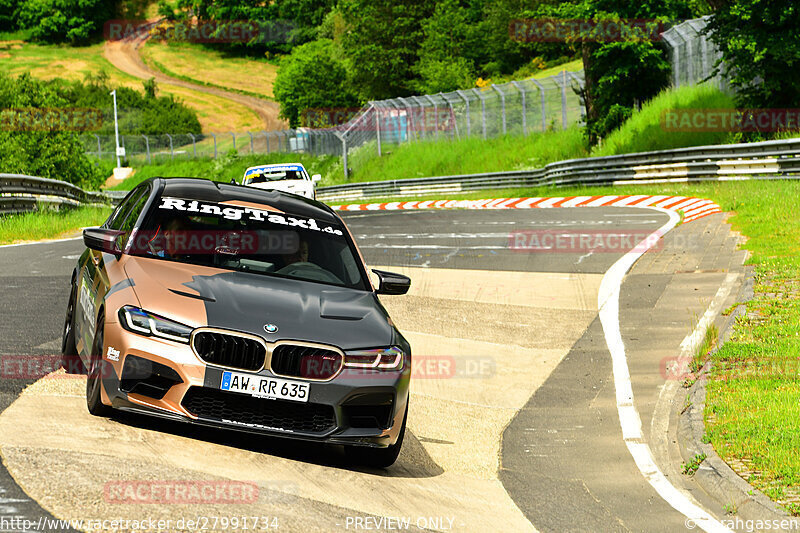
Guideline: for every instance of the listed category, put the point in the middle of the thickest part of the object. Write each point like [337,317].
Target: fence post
[563,99]
[521,90]
[423,115]
[171,150]
[502,105]
[99,149]
[544,102]
[344,154]
[194,145]
[377,112]
[233,136]
[215,144]
[483,110]
[147,147]
[266,139]
[408,119]
[251,142]
[435,115]
[466,100]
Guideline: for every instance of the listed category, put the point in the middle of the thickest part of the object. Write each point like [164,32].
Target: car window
[120,213]
[132,216]
[249,240]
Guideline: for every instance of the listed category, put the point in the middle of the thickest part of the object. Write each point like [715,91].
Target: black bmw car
[240,308]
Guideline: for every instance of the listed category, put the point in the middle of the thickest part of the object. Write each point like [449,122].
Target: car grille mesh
[305,361]
[229,350]
[279,414]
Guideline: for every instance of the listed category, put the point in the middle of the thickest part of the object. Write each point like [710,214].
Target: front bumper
[166,379]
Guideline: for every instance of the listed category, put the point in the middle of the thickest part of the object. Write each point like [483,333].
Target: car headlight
[145,323]
[379,358]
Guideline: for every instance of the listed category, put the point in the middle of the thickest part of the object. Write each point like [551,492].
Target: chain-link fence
[693,56]
[152,149]
[513,108]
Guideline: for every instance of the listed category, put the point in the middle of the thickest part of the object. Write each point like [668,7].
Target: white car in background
[286,177]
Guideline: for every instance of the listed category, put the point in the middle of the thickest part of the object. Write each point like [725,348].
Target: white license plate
[264,387]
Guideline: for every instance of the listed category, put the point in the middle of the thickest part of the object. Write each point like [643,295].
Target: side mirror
[103,240]
[391,283]
[316,177]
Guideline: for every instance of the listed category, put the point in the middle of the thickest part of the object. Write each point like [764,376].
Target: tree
[40,148]
[72,21]
[312,77]
[619,73]
[758,42]
[382,44]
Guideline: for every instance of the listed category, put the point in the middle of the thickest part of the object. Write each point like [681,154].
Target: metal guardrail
[21,194]
[769,159]
[701,163]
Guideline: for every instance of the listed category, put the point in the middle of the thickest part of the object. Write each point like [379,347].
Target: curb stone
[714,475]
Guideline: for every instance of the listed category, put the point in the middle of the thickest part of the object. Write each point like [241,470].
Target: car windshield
[247,238]
[263,177]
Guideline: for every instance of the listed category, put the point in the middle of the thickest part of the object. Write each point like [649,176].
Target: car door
[94,280]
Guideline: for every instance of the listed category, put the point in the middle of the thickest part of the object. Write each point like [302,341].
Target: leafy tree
[758,41]
[619,74]
[313,76]
[72,21]
[46,150]
[8,15]
[382,44]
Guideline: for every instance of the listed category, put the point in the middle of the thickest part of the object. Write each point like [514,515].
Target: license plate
[264,387]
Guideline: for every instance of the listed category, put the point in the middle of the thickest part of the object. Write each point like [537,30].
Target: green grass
[227,168]
[49,224]
[465,156]
[644,131]
[214,68]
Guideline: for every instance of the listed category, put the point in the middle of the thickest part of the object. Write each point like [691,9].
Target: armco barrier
[20,193]
[763,160]
[776,159]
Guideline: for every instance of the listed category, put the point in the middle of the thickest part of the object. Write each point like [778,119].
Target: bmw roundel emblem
[270,328]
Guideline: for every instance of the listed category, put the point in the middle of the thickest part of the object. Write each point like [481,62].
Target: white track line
[631,423]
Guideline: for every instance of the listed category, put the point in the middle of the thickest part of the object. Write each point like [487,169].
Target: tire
[70,360]
[94,378]
[377,457]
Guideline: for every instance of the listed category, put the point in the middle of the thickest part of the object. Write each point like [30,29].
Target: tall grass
[49,224]
[466,156]
[645,130]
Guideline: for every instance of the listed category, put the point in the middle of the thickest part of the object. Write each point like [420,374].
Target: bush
[313,76]
[72,21]
[48,152]
[138,112]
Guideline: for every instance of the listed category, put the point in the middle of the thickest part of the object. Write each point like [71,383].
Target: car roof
[212,191]
[272,166]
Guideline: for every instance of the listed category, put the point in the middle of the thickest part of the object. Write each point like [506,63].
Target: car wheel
[377,457]
[70,360]
[94,379]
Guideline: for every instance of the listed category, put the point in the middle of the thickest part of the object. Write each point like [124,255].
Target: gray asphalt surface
[564,461]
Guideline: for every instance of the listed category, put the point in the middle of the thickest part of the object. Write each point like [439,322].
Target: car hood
[307,311]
